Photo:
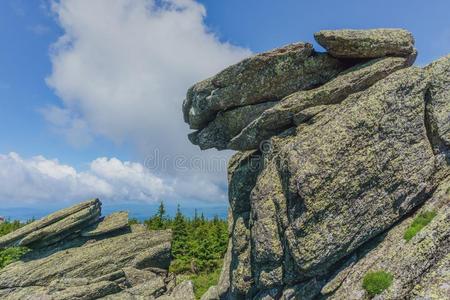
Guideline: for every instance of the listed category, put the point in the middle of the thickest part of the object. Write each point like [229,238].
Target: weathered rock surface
[413,263]
[265,77]
[227,125]
[334,174]
[281,117]
[54,227]
[350,43]
[183,291]
[107,259]
[115,221]
[438,104]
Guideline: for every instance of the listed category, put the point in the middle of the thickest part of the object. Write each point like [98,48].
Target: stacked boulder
[339,151]
[264,95]
[77,254]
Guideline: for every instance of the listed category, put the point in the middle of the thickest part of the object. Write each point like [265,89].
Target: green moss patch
[376,282]
[418,224]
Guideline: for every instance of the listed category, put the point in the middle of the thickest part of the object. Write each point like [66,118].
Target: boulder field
[339,154]
[77,254]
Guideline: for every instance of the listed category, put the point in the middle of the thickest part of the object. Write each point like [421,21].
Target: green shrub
[133,221]
[10,255]
[376,282]
[419,222]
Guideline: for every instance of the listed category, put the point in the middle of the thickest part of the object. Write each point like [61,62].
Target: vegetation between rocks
[376,282]
[198,246]
[202,282]
[10,255]
[418,224]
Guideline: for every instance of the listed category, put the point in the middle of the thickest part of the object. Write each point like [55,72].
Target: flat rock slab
[372,43]
[265,77]
[227,125]
[114,222]
[54,227]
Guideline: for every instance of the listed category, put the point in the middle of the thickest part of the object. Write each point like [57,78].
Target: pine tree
[180,236]
[159,220]
[198,244]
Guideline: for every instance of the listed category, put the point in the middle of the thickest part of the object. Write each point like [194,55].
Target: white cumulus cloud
[122,68]
[38,179]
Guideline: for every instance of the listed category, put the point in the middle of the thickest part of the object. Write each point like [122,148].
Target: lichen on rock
[332,174]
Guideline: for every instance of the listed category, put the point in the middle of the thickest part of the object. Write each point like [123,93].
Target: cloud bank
[40,179]
[122,69]
[123,66]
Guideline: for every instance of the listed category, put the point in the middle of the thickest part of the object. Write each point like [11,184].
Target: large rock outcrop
[332,174]
[77,254]
[266,77]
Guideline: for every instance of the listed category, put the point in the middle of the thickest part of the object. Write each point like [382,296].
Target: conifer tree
[180,235]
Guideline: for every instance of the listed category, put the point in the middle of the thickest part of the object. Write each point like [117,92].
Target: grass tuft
[376,282]
[418,224]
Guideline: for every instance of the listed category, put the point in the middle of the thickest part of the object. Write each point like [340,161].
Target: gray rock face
[438,104]
[343,170]
[227,125]
[107,259]
[280,117]
[417,265]
[366,131]
[371,43]
[265,77]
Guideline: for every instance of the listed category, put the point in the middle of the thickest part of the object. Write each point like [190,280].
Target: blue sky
[113,87]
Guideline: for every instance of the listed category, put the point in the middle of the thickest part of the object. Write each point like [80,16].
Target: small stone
[183,291]
[371,43]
